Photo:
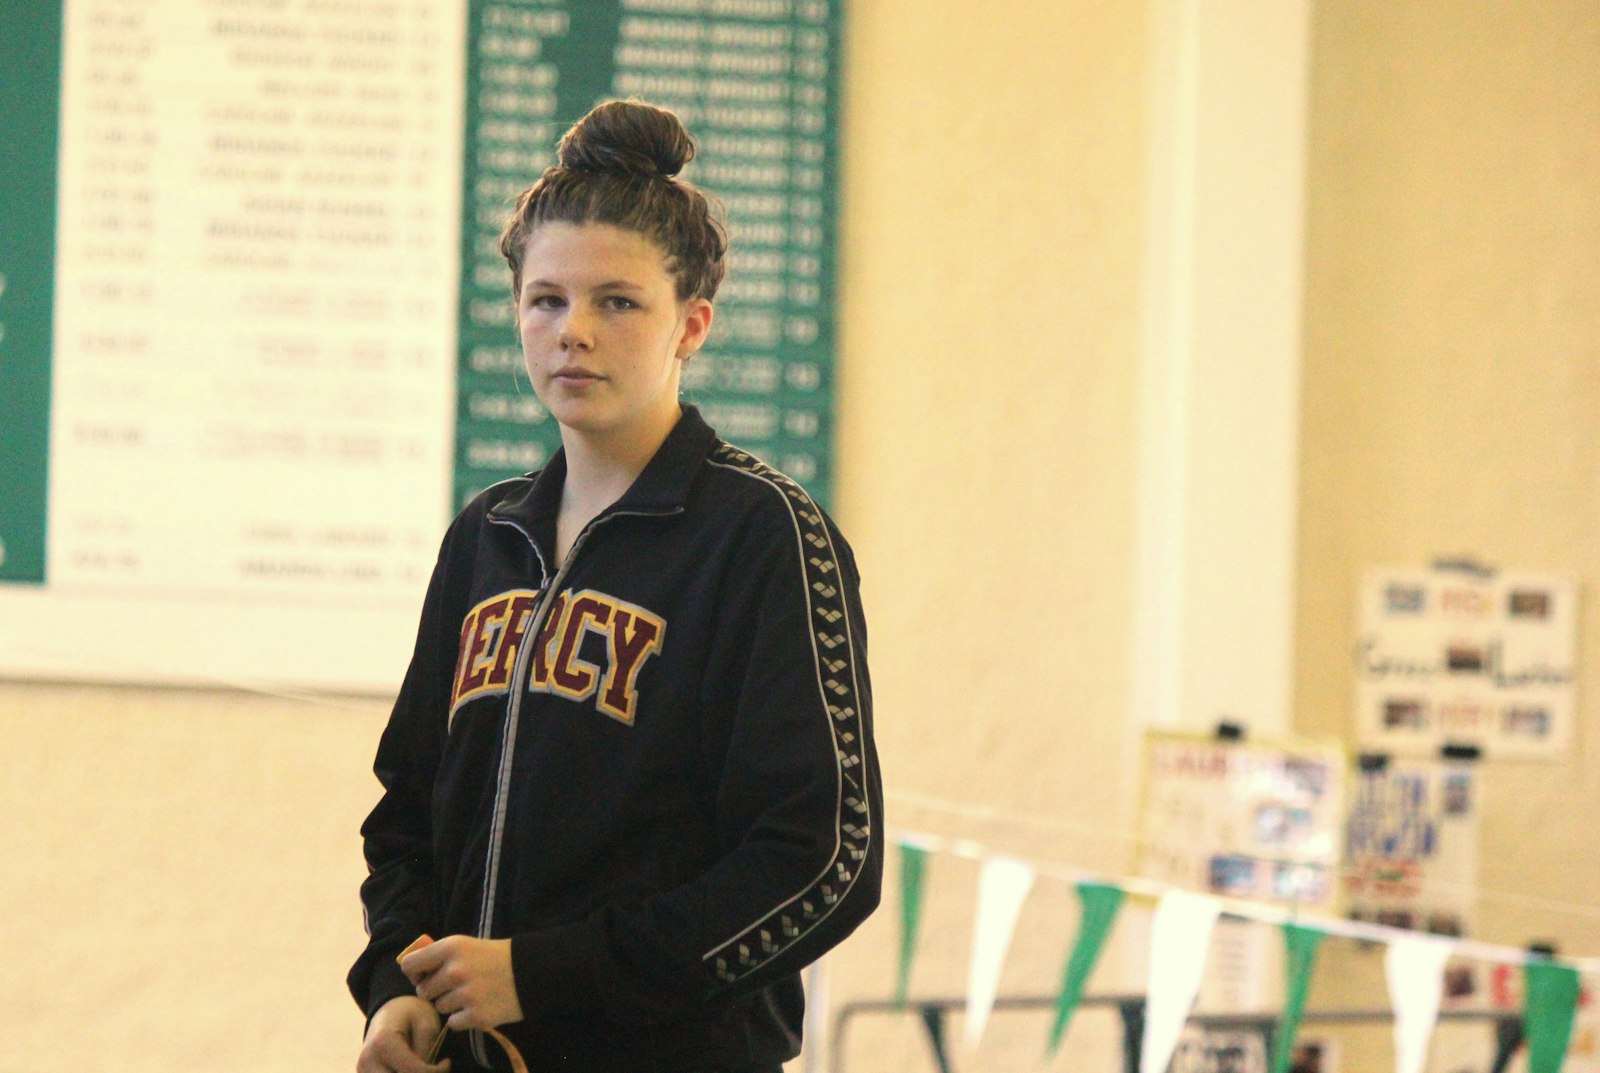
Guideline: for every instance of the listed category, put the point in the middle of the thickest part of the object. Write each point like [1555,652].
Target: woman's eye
[616,301]
[545,301]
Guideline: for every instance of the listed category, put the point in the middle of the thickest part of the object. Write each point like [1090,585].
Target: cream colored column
[1219,398]
[1220,365]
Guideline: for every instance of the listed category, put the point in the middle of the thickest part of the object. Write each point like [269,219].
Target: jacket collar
[661,488]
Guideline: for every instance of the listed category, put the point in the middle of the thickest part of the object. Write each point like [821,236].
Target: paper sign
[1458,656]
[1411,850]
[1242,819]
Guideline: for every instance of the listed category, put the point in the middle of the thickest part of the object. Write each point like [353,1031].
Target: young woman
[629,781]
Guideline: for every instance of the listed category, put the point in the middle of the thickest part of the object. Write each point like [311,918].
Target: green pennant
[1300,956]
[1549,1007]
[912,862]
[1100,904]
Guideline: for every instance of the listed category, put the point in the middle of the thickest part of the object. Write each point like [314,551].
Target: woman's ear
[697,317]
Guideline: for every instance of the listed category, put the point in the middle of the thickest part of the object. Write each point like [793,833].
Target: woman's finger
[420,961]
[450,1002]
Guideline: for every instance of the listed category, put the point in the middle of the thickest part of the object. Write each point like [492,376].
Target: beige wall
[990,292]
[1452,384]
[178,878]
[1452,369]
[987,372]
[180,867]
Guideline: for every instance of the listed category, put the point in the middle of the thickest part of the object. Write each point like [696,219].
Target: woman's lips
[574,376]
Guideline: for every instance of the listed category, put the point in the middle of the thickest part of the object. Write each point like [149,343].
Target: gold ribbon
[517,1064]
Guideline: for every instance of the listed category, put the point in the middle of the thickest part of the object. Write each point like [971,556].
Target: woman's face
[604,335]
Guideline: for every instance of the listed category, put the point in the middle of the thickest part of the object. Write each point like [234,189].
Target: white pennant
[1179,938]
[1003,886]
[1415,969]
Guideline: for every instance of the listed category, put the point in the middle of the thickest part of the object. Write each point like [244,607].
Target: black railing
[932,1012]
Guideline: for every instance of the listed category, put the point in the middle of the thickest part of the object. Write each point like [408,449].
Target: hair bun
[628,137]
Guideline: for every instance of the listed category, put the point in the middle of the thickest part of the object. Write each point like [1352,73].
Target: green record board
[30,95]
[256,336]
[756,83]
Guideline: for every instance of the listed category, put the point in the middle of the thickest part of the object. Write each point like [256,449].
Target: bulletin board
[1461,655]
[1411,849]
[256,341]
[1246,819]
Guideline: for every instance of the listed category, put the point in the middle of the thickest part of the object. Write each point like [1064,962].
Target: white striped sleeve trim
[834,656]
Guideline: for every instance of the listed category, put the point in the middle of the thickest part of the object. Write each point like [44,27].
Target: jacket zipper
[519,681]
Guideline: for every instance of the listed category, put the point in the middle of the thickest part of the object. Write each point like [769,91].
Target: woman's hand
[467,980]
[399,1036]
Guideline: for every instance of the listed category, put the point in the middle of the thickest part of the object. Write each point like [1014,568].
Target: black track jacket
[651,768]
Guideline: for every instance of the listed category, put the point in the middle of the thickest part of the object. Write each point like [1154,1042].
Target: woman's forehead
[557,244]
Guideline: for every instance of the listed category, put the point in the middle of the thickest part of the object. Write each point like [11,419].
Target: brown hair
[617,166]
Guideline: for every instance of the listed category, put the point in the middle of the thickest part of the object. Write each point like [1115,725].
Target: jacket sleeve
[397,897]
[798,805]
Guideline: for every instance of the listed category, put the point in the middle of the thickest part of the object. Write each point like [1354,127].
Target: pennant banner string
[1414,963]
[1263,912]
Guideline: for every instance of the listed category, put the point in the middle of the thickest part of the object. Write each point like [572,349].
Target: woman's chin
[581,415]
[600,420]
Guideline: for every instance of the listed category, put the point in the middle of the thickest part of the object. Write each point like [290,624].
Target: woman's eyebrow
[608,285]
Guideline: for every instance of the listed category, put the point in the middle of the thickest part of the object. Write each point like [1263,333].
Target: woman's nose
[577,332]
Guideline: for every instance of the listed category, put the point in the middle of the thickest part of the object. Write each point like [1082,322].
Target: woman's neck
[599,471]
[607,465]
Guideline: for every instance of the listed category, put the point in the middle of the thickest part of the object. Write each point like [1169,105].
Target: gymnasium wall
[1451,383]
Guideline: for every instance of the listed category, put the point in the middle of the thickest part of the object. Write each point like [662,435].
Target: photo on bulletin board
[1465,656]
[1244,819]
